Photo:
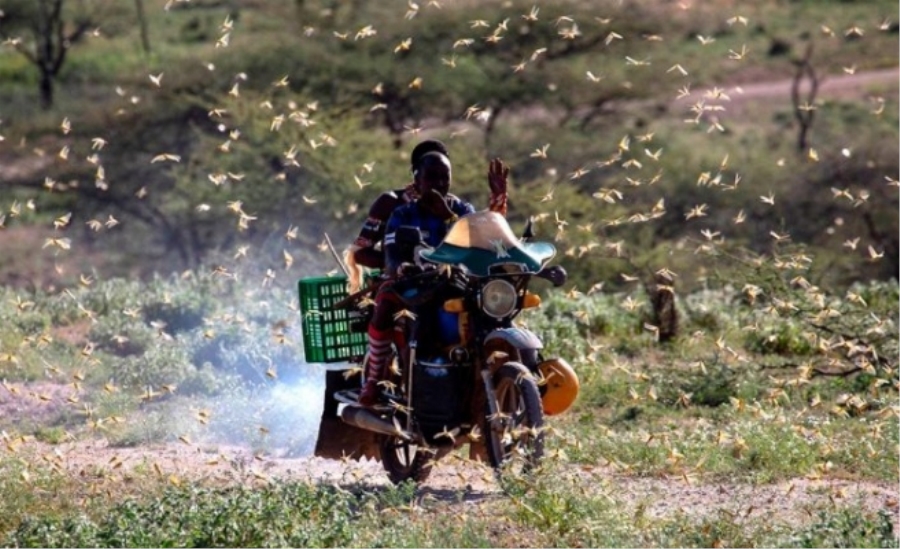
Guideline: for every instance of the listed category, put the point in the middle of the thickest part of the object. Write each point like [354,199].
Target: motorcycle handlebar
[556,274]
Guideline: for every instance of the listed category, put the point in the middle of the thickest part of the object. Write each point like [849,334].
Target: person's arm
[372,232]
[498,176]
[394,255]
[461,208]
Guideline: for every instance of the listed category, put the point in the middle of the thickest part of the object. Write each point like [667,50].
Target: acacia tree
[49,28]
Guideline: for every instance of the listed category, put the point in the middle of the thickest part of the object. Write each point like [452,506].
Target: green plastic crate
[327,336]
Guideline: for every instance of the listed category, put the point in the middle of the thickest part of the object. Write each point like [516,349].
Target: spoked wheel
[404,460]
[515,432]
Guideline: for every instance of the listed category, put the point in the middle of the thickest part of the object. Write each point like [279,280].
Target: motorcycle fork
[412,342]
[489,390]
[493,408]
[409,385]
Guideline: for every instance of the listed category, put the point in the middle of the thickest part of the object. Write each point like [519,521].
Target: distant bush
[161,364]
[781,338]
[714,386]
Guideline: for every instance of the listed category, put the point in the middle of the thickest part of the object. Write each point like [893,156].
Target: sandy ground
[89,458]
[792,502]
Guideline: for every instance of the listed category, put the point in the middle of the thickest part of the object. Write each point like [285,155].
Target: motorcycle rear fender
[515,344]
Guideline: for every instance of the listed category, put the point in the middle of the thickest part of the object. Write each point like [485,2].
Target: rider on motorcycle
[432,213]
[364,250]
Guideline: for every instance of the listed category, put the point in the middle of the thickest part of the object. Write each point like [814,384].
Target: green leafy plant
[848,528]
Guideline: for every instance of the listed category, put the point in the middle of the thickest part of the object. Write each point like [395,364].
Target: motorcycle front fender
[514,344]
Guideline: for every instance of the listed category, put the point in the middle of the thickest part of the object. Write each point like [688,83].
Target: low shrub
[847,527]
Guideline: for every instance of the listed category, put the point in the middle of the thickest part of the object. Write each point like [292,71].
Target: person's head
[433,172]
[423,148]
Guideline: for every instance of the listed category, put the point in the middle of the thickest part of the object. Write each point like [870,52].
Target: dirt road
[204,459]
[454,479]
[871,87]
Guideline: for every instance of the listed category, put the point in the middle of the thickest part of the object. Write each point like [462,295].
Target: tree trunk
[46,89]
[142,20]
[804,112]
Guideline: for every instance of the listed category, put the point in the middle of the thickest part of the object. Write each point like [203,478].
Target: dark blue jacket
[433,229]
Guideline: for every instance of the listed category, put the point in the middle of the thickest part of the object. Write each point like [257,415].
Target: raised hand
[498,174]
[435,203]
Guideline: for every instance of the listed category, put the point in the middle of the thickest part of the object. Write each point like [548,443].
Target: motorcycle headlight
[498,298]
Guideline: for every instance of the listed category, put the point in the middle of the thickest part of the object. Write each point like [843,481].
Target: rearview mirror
[528,233]
[555,274]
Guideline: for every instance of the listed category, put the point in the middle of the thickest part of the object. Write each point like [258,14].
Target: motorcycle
[467,373]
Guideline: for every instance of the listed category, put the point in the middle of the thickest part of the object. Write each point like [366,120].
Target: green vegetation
[711,406]
[550,514]
[259,107]
[156,217]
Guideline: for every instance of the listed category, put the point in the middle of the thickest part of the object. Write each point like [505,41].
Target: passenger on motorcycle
[365,251]
[433,212]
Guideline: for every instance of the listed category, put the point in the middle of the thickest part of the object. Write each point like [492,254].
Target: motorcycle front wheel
[404,460]
[515,432]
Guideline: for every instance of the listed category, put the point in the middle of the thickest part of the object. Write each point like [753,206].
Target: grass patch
[284,515]
[846,527]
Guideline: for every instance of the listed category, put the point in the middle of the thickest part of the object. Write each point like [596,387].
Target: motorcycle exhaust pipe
[368,420]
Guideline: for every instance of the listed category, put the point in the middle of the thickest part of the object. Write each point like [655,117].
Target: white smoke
[282,418]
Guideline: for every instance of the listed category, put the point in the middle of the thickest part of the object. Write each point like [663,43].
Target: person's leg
[381,333]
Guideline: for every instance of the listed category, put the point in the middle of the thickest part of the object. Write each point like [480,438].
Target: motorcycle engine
[438,389]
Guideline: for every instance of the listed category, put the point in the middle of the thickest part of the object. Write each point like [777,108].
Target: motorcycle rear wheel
[404,460]
[516,438]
